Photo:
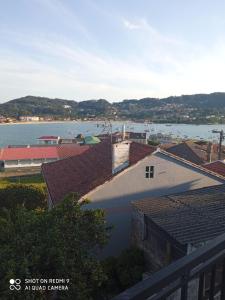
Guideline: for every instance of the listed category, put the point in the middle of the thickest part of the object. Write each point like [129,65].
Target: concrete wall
[171,176]
[141,141]
[160,249]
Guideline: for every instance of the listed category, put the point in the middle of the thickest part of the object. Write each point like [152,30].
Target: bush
[29,196]
[130,266]
[153,143]
[123,271]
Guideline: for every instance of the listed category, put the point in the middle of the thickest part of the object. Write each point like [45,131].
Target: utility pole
[221,133]
[110,126]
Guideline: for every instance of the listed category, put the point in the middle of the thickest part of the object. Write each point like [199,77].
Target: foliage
[123,271]
[42,106]
[27,179]
[35,180]
[29,196]
[153,143]
[60,243]
[198,108]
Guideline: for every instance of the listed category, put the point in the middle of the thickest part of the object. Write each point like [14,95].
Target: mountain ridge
[188,108]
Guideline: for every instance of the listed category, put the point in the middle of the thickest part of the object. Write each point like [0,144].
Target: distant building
[29,119]
[138,137]
[161,138]
[169,227]
[48,140]
[25,157]
[54,140]
[67,106]
[114,175]
[68,141]
[3,119]
[197,152]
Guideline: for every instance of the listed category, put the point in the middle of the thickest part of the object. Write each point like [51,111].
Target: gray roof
[188,152]
[190,217]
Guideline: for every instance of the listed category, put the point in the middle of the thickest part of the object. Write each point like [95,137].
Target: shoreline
[96,121]
[36,123]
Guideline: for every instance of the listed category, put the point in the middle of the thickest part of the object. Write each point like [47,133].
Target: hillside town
[112,150]
[184,109]
[164,199]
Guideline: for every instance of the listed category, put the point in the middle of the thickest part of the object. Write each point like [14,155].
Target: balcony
[199,275]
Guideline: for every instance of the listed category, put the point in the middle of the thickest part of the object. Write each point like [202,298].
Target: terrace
[199,275]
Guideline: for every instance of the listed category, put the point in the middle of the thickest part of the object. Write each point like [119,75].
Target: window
[11,162]
[38,161]
[149,172]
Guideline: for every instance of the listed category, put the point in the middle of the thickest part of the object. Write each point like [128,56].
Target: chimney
[120,156]
[209,151]
[123,132]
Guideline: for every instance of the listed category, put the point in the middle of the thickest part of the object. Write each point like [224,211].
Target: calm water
[19,134]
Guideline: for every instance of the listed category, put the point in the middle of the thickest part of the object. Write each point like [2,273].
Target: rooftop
[217,167]
[48,137]
[22,153]
[91,140]
[85,172]
[194,151]
[189,217]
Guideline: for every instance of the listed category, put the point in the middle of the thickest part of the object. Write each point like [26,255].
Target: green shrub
[123,271]
[153,143]
[29,196]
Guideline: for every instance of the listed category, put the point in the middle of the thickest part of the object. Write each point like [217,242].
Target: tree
[61,243]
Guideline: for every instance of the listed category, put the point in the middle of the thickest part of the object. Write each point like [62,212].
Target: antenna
[107,127]
[123,132]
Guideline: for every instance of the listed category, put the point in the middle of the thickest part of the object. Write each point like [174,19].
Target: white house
[112,176]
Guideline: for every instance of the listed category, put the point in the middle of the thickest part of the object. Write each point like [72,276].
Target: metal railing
[199,275]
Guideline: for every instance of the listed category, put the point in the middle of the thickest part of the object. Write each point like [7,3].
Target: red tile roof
[217,167]
[57,152]
[65,151]
[139,151]
[85,172]
[28,153]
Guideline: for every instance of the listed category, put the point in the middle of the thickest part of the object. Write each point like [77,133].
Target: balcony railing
[199,275]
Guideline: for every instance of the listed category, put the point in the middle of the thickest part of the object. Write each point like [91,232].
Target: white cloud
[141,24]
[61,69]
[131,25]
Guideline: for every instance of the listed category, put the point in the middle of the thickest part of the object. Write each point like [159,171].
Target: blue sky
[112,49]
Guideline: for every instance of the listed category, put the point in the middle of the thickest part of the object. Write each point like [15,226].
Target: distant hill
[41,106]
[198,108]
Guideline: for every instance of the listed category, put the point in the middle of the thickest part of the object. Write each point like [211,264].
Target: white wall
[26,163]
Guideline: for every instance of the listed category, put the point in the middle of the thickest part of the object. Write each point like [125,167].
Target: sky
[111,49]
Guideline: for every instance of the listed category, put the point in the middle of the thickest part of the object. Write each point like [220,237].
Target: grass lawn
[36,180]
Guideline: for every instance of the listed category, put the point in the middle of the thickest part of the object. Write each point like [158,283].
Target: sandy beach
[38,122]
